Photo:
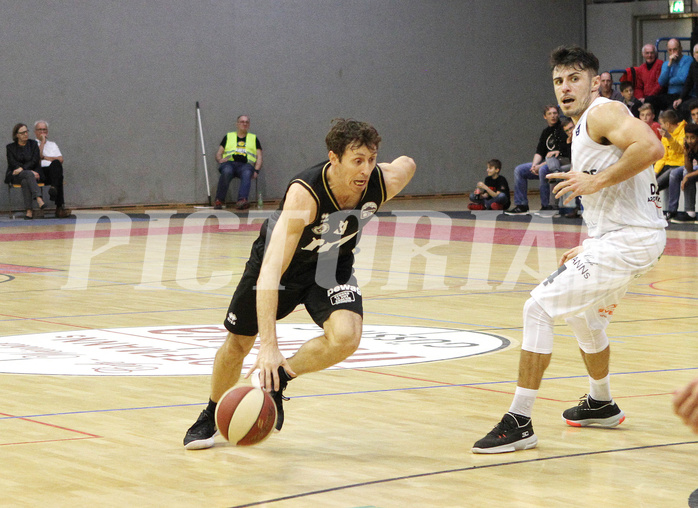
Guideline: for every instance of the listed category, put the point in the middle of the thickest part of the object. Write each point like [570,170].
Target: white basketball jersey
[633,202]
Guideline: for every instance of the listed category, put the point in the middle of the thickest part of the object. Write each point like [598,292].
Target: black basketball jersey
[334,232]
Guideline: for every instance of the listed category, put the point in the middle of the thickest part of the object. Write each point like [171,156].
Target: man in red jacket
[646,79]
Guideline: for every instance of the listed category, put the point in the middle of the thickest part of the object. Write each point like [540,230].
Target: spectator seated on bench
[52,166]
[24,169]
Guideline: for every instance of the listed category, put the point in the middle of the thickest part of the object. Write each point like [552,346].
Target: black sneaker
[279,398]
[682,218]
[545,208]
[518,210]
[52,193]
[201,434]
[593,412]
[508,436]
[669,215]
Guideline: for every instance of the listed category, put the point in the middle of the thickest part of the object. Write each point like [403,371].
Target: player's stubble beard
[583,105]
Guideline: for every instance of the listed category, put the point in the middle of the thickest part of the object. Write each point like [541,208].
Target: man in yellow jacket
[672,138]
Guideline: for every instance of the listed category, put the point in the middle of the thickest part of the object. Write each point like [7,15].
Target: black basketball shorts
[298,287]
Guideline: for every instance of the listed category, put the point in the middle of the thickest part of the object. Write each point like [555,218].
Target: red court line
[54,426]
[498,236]
[4,268]
[49,440]
[508,392]
[116,231]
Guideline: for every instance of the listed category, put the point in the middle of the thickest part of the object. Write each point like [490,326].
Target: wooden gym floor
[394,433]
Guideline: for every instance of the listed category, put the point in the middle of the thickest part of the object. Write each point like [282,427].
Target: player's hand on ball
[268,361]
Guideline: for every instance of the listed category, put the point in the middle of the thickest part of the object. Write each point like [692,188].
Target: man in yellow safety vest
[239,156]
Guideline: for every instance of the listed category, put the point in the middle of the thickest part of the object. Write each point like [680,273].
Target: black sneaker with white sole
[518,210]
[278,396]
[593,412]
[200,435]
[682,218]
[514,432]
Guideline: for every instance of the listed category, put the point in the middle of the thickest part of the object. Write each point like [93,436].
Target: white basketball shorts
[593,283]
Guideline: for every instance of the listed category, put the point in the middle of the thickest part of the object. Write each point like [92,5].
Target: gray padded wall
[451,83]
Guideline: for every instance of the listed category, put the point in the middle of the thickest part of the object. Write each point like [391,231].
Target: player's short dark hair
[669,115]
[575,57]
[625,85]
[495,163]
[549,106]
[346,133]
[16,128]
[691,128]
[693,105]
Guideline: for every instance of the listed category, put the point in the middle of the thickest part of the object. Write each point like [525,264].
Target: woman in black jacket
[24,167]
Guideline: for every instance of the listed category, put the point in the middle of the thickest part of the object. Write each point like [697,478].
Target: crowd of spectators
[664,90]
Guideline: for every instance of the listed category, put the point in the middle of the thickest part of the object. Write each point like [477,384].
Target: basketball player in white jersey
[612,157]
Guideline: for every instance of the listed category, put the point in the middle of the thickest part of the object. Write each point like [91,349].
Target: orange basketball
[246,415]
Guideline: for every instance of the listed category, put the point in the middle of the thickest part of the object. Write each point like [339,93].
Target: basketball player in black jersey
[304,254]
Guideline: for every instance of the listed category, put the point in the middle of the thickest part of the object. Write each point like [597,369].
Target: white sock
[523,401]
[600,389]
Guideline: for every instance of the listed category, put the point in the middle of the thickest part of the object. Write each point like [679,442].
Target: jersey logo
[368,209]
[655,197]
[323,245]
[323,227]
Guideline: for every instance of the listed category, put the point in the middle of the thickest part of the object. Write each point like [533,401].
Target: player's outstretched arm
[610,124]
[397,174]
[298,211]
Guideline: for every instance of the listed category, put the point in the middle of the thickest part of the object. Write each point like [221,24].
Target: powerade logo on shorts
[344,293]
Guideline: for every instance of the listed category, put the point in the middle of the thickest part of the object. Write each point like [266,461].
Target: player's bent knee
[345,342]
[343,330]
[590,341]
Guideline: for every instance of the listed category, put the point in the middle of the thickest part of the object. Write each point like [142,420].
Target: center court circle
[190,349]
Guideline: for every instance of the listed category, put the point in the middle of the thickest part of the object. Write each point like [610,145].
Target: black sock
[211,408]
